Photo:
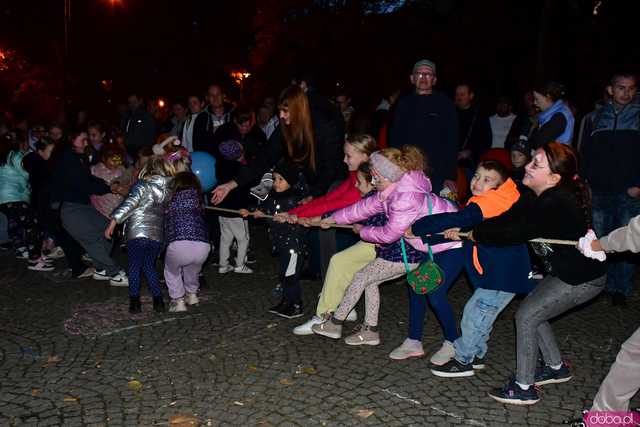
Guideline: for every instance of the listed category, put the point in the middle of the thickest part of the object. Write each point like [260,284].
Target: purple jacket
[403,202]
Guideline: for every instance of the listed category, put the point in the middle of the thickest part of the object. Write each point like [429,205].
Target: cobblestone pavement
[71,355]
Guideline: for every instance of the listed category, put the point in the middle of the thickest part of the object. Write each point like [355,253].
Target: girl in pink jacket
[403,192]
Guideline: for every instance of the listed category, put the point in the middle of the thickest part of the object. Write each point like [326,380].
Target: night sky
[173,48]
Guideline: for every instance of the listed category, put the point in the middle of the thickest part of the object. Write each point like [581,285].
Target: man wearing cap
[427,119]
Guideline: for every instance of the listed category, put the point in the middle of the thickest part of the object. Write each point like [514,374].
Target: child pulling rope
[540,240]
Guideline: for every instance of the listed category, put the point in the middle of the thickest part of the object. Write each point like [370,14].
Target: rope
[540,240]
[234,211]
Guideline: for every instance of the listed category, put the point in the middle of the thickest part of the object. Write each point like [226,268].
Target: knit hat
[385,167]
[289,172]
[231,150]
[424,63]
[522,147]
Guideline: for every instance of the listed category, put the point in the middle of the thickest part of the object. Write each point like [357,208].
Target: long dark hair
[298,135]
[186,180]
[564,162]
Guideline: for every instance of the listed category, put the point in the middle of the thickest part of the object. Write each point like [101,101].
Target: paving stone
[232,363]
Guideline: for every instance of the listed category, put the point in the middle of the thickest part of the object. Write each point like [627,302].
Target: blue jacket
[610,149]
[505,268]
[559,107]
[14,180]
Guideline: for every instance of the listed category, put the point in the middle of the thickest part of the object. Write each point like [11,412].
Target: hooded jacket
[14,180]
[404,202]
[144,207]
[503,268]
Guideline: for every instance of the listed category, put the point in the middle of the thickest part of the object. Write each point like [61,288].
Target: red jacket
[344,195]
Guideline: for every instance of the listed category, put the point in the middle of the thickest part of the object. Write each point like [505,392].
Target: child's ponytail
[412,158]
[564,162]
[407,158]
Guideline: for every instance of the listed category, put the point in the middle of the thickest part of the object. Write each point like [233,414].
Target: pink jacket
[106,203]
[403,202]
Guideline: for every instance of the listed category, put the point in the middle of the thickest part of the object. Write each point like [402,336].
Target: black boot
[134,305]
[158,304]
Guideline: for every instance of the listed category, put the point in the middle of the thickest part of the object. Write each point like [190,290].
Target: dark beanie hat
[288,171]
[522,147]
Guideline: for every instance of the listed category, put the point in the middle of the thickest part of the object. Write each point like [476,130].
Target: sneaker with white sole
[513,394]
[548,375]
[22,254]
[101,275]
[452,369]
[41,266]
[177,306]
[119,280]
[56,253]
[409,348]
[364,335]
[352,316]
[328,329]
[305,328]
[191,299]
[224,269]
[243,269]
[88,272]
[442,356]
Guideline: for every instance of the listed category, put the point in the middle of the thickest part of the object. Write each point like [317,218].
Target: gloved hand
[261,191]
[584,246]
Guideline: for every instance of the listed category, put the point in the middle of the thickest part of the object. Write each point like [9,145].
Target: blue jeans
[142,253]
[451,262]
[611,211]
[480,312]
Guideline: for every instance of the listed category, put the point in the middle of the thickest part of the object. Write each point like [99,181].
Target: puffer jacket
[403,202]
[14,180]
[144,207]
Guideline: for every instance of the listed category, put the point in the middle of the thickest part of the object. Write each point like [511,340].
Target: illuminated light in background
[161,103]
[596,8]
[240,76]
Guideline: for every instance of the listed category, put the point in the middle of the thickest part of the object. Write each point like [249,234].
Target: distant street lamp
[239,77]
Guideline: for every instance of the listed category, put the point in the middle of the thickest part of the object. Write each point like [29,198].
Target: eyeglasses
[424,75]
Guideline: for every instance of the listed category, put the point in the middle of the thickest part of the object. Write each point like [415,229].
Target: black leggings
[23,226]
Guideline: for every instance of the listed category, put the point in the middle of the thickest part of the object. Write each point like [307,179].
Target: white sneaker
[56,253]
[101,275]
[408,349]
[352,316]
[444,355]
[305,328]
[177,305]
[41,265]
[119,280]
[224,269]
[243,269]
[192,299]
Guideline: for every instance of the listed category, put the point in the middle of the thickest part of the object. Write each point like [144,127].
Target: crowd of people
[409,178]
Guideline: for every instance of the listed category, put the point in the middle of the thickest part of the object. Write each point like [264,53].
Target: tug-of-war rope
[462,234]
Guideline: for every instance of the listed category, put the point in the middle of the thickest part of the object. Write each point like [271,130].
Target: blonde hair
[365,144]
[408,157]
[157,165]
